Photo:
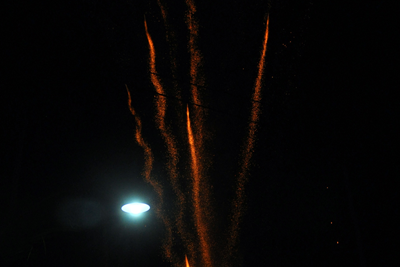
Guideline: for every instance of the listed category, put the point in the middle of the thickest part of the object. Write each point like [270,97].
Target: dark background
[325,141]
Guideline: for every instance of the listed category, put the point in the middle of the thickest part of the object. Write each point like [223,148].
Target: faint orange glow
[186,261]
[195,63]
[170,37]
[195,56]
[337,242]
[331,222]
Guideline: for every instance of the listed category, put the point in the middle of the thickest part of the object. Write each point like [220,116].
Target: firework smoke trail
[197,201]
[247,152]
[173,156]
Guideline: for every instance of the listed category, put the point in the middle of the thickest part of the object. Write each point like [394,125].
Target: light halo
[135,208]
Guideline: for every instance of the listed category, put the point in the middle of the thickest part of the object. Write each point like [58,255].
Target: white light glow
[135,208]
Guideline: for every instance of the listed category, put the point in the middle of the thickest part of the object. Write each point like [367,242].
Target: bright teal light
[135,208]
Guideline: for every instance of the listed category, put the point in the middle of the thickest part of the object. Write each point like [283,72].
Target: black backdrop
[325,142]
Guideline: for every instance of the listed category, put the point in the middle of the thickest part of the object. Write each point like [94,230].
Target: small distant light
[135,208]
[331,222]
[326,187]
[337,242]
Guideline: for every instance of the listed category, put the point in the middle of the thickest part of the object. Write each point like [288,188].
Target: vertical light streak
[173,156]
[201,201]
[200,223]
[247,153]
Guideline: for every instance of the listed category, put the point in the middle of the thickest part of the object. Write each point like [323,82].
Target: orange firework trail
[148,155]
[197,202]
[202,209]
[247,153]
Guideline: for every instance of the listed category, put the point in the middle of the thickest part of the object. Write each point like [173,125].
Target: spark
[186,261]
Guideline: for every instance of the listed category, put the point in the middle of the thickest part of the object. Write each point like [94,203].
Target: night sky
[320,189]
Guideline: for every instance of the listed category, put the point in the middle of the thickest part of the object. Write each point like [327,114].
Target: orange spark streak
[197,203]
[186,261]
[247,152]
